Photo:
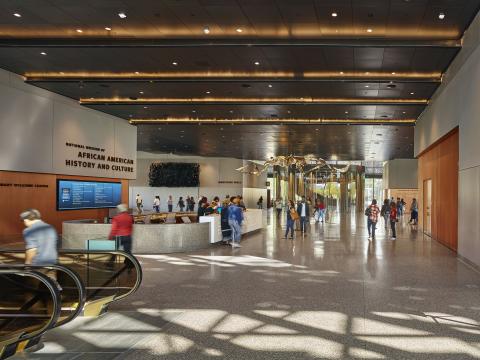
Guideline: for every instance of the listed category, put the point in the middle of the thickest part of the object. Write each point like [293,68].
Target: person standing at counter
[156,204]
[139,203]
[170,203]
[235,219]
[122,227]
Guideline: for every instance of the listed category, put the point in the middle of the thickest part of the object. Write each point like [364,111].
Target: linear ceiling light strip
[272,121]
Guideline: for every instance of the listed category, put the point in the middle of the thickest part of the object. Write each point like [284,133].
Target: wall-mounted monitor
[77,195]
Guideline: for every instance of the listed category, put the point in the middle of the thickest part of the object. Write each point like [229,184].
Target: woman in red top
[393,219]
[122,226]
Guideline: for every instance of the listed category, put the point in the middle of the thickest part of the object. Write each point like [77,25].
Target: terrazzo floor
[331,294]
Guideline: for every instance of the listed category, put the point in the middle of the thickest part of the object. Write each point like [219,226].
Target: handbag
[294,215]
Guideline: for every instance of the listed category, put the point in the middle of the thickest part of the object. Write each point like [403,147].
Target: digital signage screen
[75,195]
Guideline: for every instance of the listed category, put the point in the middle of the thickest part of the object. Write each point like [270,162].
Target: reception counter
[159,238]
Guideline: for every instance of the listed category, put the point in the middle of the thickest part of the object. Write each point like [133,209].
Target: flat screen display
[74,194]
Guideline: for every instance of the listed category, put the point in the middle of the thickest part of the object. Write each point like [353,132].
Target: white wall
[400,174]
[218,177]
[457,103]
[36,124]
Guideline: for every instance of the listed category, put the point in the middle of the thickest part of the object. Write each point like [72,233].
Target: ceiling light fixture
[79,30]
[206,30]
[122,15]
[207,92]
[334,14]
[369,30]
[239,30]
[257,63]
[393,73]
[108,28]
[174,63]
[412,93]
[441,16]
[270,85]
[17,15]
[141,92]
[136,73]
[43,53]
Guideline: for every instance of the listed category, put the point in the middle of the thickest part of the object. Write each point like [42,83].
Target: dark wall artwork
[174,175]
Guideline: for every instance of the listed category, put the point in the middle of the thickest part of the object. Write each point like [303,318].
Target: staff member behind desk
[122,227]
[40,240]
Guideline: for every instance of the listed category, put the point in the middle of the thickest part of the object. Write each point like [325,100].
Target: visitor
[304,213]
[156,204]
[122,227]
[235,219]
[278,206]
[399,207]
[319,210]
[40,240]
[192,203]
[385,212]
[139,203]
[241,203]
[225,227]
[372,213]
[188,201]
[393,219]
[181,203]
[292,215]
[202,207]
[260,202]
[170,203]
[414,212]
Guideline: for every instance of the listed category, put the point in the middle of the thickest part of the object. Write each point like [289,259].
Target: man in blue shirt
[40,239]
[235,219]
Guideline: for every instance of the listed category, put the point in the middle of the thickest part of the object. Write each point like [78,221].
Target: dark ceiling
[262,59]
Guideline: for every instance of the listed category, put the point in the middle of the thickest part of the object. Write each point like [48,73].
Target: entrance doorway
[427,207]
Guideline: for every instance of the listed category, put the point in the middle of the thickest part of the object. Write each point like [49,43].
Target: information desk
[162,238]
[147,238]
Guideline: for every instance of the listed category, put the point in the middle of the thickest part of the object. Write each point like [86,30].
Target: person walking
[192,203]
[319,211]
[278,207]
[393,219]
[372,213]
[40,240]
[399,207]
[181,203]
[170,203]
[156,204]
[260,202]
[122,227]
[139,203]
[414,212]
[292,215]
[304,212]
[385,212]
[235,219]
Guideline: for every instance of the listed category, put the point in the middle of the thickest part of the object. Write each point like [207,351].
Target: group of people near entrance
[301,212]
[391,211]
[187,204]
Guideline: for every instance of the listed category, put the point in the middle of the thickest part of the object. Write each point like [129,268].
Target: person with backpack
[372,212]
[292,215]
[235,219]
[385,212]
[393,219]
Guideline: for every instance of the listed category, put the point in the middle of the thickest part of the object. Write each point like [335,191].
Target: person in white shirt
[304,212]
[139,203]
[156,204]
[278,206]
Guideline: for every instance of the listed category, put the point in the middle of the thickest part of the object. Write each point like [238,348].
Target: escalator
[29,306]
[108,276]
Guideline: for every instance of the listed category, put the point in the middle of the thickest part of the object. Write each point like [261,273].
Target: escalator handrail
[82,293]
[131,257]
[52,288]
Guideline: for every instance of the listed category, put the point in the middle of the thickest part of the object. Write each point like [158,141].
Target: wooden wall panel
[15,199]
[440,164]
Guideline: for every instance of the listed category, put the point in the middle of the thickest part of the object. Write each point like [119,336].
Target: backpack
[368,211]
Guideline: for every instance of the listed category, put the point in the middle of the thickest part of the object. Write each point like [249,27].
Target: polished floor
[331,294]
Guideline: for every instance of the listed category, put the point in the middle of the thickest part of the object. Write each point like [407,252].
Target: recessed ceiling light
[43,53]
[141,91]
[231,111]
[206,30]
[145,107]
[288,111]
[79,30]
[194,111]
[334,14]
[17,15]
[108,28]
[174,63]
[122,15]
[316,129]
[136,72]
[257,63]
[346,112]
[270,85]
[441,16]
[369,30]
[412,93]
[207,92]
[239,30]
[404,112]
[341,72]
[393,73]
